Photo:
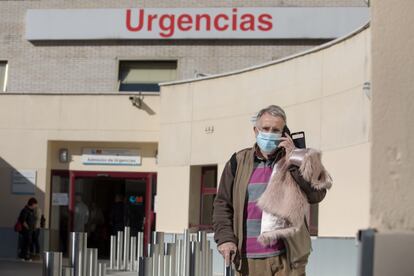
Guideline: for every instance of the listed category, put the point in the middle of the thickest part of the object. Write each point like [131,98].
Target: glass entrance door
[59,211]
[100,203]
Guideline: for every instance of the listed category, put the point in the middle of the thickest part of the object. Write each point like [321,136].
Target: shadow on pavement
[12,267]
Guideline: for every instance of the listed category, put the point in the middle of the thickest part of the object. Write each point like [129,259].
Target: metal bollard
[92,261]
[67,271]
[77,253]
[202,239]
[170,251]
[192,259]
[186,255]
[133,253]
[158,245]
[167,266]
[150,250]
[160,268]
[148,267]
[207,262]
[52,264]
[119,246]
[127,242]
[179,259]
[155,259]
[210,261]
[140,245]
[198,260]
[141,266]
[153,237]
[112,254]
[140,249]
[206,252]
[160,238]
[102,269]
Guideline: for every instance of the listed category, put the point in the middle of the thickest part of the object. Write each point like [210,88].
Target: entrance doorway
[101,203]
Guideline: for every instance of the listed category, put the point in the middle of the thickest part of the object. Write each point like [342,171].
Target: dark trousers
[26,236]
[35,246]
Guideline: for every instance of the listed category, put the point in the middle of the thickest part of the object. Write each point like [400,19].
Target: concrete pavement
[16,267]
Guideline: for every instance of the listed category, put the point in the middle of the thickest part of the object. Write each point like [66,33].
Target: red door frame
[148,176]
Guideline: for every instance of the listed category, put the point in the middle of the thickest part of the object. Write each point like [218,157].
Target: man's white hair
[273,110]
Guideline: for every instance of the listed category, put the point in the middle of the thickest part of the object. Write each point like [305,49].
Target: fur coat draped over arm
[284,204]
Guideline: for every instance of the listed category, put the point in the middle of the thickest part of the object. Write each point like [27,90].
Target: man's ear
[256,131]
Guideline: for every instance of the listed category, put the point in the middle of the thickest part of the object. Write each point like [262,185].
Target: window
[208,194]
[3,68]
[145,76]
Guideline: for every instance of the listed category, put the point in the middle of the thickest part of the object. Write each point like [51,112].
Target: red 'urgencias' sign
[167,24]
[193,23]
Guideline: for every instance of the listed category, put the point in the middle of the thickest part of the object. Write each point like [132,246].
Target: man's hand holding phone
[287,144]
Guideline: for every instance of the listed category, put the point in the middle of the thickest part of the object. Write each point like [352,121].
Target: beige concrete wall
[392,167]
[33,128]
[322,93]
[172,202]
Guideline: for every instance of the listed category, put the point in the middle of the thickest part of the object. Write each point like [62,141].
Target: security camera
[136,100]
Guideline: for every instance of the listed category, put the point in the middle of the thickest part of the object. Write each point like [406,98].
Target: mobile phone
[299,139]
[285,131]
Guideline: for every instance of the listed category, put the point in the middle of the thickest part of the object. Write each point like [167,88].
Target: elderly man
[237,218]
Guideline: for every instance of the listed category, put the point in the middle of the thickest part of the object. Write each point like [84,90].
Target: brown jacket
[229,208]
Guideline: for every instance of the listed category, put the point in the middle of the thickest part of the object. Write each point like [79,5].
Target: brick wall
[91,66]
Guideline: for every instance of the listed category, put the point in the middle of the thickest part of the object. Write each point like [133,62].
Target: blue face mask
[268,141]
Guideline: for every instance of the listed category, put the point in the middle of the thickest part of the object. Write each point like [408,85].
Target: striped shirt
[257,185]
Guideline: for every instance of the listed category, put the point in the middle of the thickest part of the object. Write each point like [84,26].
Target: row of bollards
[83,261]
[125,250]
[188,255]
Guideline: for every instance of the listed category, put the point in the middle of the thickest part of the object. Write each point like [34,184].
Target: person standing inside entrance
[237,218]
[118,214]
[35,246]
[81,214]
[27,220]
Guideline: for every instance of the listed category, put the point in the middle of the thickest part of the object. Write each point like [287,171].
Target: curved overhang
[273,62]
